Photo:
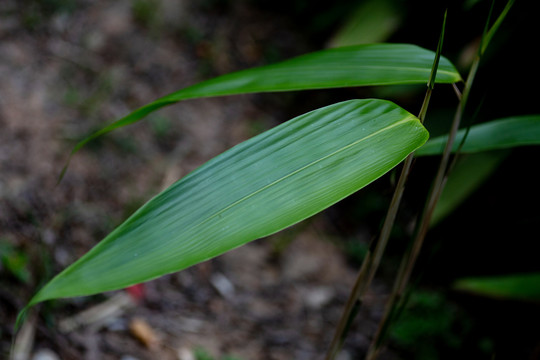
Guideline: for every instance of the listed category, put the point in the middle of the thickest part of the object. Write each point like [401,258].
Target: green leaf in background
[372,21]
[257,188]
[361,65]
[14,261]
[512,287]
[498,134]
[469,174]
[491,32]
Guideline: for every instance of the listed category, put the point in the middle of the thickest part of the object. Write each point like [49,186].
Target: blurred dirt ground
[66,69]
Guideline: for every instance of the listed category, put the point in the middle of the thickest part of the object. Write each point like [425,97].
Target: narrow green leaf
[468,175]
[372,21]
[498,134]
[513,287]
[361,65]
[491,32]
[257,188]
[435,66]
[433,74]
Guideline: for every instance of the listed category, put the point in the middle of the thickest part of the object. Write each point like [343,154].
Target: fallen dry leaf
[141,330]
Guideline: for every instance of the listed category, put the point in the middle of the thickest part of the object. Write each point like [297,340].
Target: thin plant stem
[369,266]
[409,260]
[407,264]
[374,255]
[457,91]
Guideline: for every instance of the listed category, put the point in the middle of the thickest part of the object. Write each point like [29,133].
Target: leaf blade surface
[257,188]
[498,134]
[359,65]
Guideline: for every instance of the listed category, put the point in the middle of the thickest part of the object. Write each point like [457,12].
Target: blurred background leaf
[525,287]
[373,21]
[468,174]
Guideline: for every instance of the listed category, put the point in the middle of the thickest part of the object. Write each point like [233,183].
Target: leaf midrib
[356,67]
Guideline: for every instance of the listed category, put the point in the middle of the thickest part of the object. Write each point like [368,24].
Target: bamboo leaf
[513,287]
[488,35]
[257,188]
[498,134]
[468,175]
[370,22]
[360,65]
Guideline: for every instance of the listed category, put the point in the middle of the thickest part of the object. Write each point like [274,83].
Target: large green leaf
[514,287]
[257,188]
[498,134]
[360,65]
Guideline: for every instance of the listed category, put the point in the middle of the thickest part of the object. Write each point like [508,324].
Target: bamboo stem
[396,300]
[373,257]
[409,260]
